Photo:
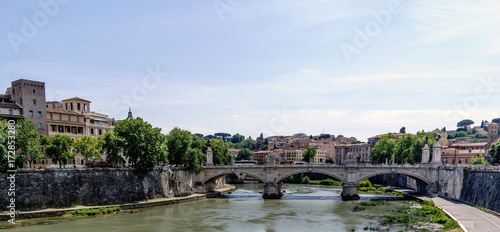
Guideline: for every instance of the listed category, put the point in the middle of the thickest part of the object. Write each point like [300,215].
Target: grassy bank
[410,217]
[91,212]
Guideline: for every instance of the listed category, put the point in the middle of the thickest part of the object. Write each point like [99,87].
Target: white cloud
[441,21]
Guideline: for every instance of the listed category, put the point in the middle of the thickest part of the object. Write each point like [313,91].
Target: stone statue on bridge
[351,158]
[273,159]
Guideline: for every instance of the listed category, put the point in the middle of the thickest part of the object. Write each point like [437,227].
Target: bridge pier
[350,192]
[273,190]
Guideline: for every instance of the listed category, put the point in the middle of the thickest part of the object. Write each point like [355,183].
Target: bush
[365,183]
[450,224]
[330,182]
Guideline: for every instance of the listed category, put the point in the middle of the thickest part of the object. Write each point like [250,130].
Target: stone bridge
[426,175]
[272,175]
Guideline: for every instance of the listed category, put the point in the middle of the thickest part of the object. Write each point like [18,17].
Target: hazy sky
[357,68]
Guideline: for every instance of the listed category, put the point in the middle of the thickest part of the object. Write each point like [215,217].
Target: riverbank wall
[61,188]
[474,186]
[482,188]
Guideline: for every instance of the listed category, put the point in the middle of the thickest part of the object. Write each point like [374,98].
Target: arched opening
[399,179]
[78,106]
[237,174]
[331,175]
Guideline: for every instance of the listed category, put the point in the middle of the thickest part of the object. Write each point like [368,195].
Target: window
[100,132]
[78,106]
[52,128]
[71,104]
[81,162]
[31,113]
[13,91]
[69,118]
[39,114]
[66,106]
[77,118]
[92,131]
[50,116]
[60,117]
[11,112]
[20,101]
[61,129]
[40,126]
[85,107]
[34,91]
[34,102]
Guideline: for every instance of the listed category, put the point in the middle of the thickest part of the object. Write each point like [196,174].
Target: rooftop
[9,105]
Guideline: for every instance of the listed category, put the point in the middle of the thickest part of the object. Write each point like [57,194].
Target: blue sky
[357,68]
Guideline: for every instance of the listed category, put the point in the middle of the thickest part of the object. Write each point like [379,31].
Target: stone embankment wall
[482,188]
[56,188]
[450,182]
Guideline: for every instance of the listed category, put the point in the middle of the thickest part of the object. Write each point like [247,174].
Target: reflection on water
[302,208]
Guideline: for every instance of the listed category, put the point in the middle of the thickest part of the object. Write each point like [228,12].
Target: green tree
[144,145]
[309,154]
[224,136]
[464,123]
[496,120]
[261,137]
[59,148]
[4,128]
[88,147]
[402,130]
[199,135]
[112,146]
[479,160]
[329,160]
[245,154]
[249,143]
[461,134]
[186,149]
[178,142]
[495,152]
[384,149]
[324,136]
[222,155]
[28,143]
[237,138]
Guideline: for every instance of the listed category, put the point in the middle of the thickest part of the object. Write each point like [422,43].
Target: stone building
[25,99]
[10,111]
[320,157]
[291,155]
[361,150]
[30,96]
[260,157]
[492,131]
[454,156]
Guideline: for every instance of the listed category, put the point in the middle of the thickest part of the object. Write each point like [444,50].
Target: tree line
[135,140]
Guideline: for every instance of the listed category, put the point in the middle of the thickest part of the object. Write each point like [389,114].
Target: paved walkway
[471,218]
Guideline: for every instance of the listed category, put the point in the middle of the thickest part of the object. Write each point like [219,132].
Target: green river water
[302,208]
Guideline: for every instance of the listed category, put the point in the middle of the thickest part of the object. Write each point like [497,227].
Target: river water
[302,208]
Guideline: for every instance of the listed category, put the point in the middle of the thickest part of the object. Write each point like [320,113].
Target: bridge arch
[330,174]
[229,172]
[413,175]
